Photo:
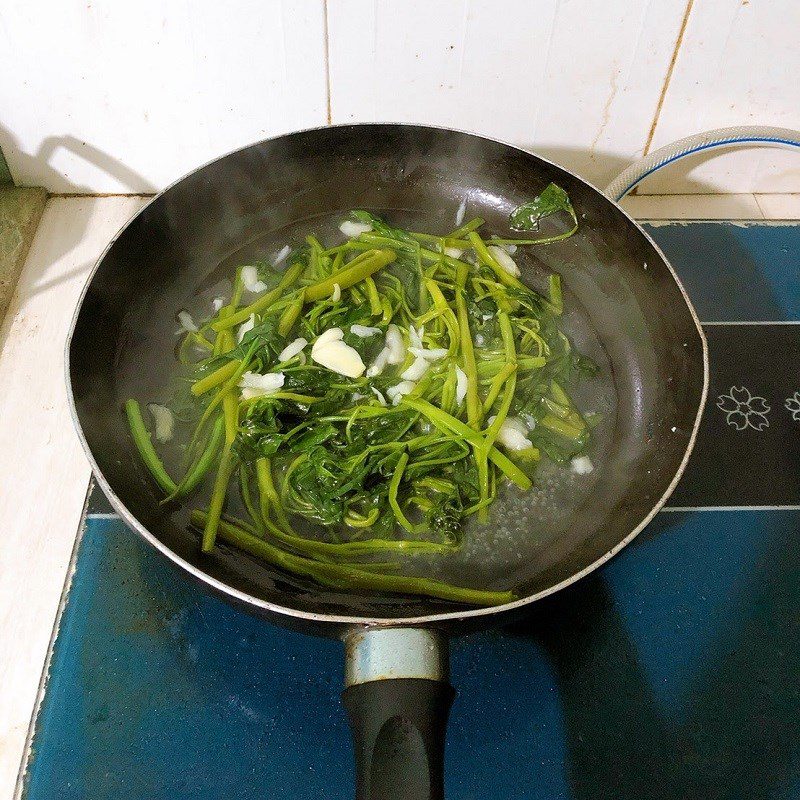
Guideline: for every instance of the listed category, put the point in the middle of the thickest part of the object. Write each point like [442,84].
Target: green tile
[20,212]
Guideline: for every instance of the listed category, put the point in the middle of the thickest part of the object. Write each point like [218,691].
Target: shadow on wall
[68,235]
[597,167]
[40,163]
[600,169]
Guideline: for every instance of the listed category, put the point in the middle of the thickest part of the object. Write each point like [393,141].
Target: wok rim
[267,607]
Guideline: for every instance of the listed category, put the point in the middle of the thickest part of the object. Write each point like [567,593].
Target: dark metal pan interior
[627,311]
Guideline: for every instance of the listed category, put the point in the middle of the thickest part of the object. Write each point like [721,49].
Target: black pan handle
[398,699]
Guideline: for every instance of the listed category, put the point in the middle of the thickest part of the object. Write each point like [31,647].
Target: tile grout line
[95,195]
[760,207]
[668,77]
[327,57]
[718,194]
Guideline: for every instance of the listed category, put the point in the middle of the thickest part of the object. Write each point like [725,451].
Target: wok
[626,300]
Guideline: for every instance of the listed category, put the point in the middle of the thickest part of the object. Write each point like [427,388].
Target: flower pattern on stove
[744,410]
[793,405]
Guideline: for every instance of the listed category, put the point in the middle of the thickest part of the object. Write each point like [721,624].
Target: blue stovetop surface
[674,672]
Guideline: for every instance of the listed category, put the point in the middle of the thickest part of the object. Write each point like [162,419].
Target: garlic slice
[396,393]
[513,434]
[377,366]
[281,255]
[339,357]
[379,395]
[462,210]
[164,421]
[461,385]
[352,230]
[188,325]
[250,280]
[416,370]
[246,326]
[364,331]
[436,354]
[330,335]
[395,346]
[504,259]
[254,385]
[292,349]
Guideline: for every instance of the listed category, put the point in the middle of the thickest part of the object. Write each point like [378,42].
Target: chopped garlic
[292,349]
[364,331]
[254,385]
[462,210]
[245,327]
[250,280]
[379,395]
[513,434]
[164,420]
[416,370]
[461,385]
[582,465]
[352,230]
[339,357]
[453,252]
[395,346]
[217,303]
[504,259]
[336,294]
[396,393]
[187,323]
[281,255]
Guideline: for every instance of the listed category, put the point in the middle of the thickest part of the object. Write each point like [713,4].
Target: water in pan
[522,524]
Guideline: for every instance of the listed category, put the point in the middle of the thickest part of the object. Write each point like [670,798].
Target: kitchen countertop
[20,212]
[43,472]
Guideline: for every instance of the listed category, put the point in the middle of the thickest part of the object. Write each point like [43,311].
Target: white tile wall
[109,96]
[103,96]
[577,81]
[738,64]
